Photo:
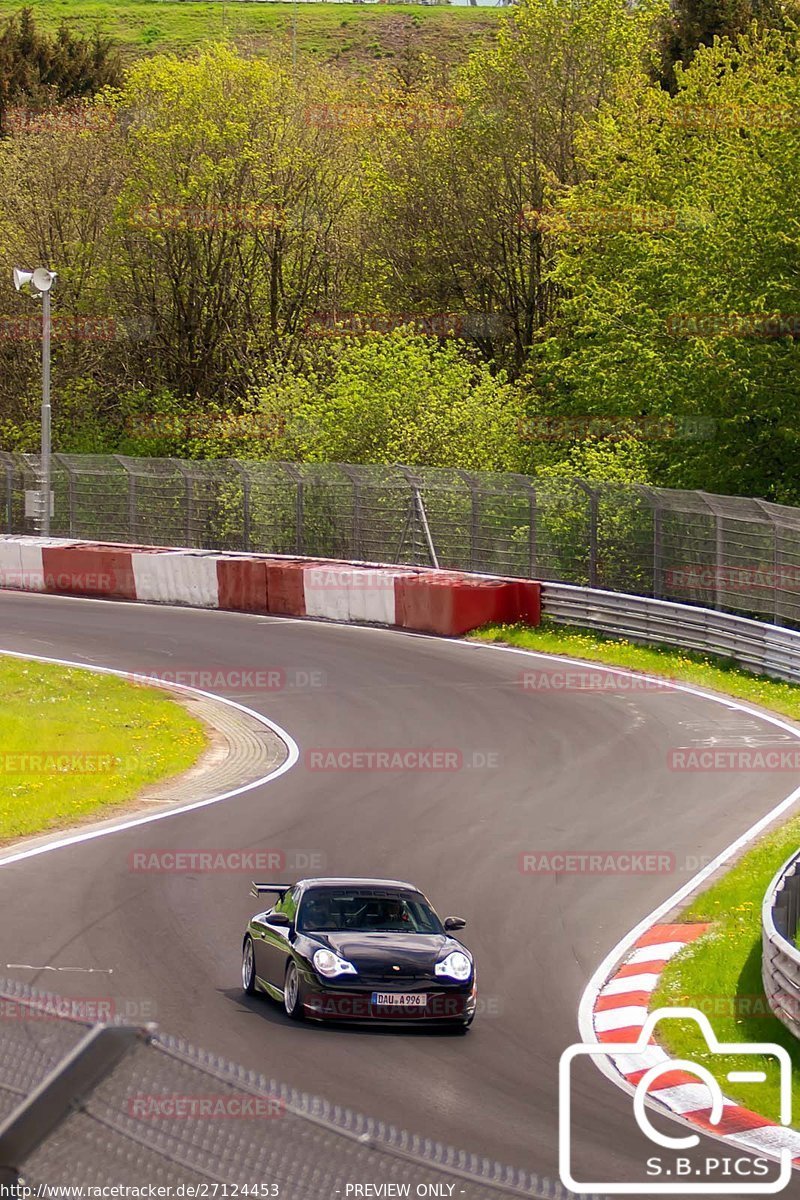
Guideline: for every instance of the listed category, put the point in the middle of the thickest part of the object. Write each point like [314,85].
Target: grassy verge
[719,974]
[355,35]
[75,744]
[716,674]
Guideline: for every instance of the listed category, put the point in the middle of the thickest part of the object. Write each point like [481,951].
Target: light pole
[38,284]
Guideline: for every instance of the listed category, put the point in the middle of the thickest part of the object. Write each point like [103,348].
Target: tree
[232,216]
[37,71]
[691,24]
[680,264]
[399,398]
[453,210]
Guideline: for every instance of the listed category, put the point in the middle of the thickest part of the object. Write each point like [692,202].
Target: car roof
[358,883]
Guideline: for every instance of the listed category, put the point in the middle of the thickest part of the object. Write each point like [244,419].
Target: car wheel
[292,1000]
[248,967]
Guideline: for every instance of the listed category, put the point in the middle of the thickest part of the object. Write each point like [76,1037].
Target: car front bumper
[449,1005]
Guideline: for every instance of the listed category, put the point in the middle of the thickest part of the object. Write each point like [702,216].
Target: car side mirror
[279,919]
[454,923]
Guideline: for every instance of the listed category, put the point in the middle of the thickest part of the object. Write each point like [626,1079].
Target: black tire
[292,993]
[248,967]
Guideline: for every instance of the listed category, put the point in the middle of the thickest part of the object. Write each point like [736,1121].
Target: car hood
[409,950]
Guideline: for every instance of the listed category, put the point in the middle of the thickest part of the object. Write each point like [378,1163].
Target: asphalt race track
[563,772]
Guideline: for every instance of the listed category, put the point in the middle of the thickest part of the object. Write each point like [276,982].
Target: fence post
[9,497]
[422,516]
[474,527]
[533,565]
[188,499]
[295,473]
[73,522]
[357,549]
[131,480]
[776,562]
[593,521]
[719,555]
[652,498]
[245,477]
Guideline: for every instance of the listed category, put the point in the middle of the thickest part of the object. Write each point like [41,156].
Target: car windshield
[340,910]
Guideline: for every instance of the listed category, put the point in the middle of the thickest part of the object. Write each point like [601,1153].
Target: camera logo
[671,1171]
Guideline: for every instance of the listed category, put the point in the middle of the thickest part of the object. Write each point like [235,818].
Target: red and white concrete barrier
[442,602]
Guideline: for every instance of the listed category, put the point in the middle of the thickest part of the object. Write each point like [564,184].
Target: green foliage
[37,69]
[548,212]
[621,461]
[397,398]
[709,176]
[695,23]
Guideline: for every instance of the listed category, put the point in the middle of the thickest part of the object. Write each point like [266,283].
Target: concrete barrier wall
[426,601]
[21,561]
[88,570]
[242,584]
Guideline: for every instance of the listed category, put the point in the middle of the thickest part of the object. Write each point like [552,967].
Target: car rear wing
[262,889]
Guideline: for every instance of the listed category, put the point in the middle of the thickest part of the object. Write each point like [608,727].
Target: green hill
[354,35]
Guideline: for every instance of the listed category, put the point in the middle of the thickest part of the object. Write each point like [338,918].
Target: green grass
[349,34]
[122,737]
[716,674]
[720,974]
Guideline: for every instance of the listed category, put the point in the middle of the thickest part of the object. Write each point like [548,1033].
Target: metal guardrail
[780,960]
[765,649]
[722,552]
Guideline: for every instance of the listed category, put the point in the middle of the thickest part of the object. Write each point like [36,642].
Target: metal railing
[116,1105]
[780,959]
[720,552]
[760,647]
[755,645]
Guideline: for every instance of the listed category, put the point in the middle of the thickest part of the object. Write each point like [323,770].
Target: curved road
[564,772]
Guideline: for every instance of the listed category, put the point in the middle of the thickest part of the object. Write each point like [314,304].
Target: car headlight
[329,964]
[456,965]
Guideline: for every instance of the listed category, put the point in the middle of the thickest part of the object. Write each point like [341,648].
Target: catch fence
[724,552]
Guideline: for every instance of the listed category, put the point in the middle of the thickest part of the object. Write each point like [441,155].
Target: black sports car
[370,950]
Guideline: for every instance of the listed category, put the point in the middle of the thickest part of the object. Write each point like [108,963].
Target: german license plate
[400,999]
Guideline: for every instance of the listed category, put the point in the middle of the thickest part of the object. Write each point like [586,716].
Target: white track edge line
[59,842]
[602,972]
